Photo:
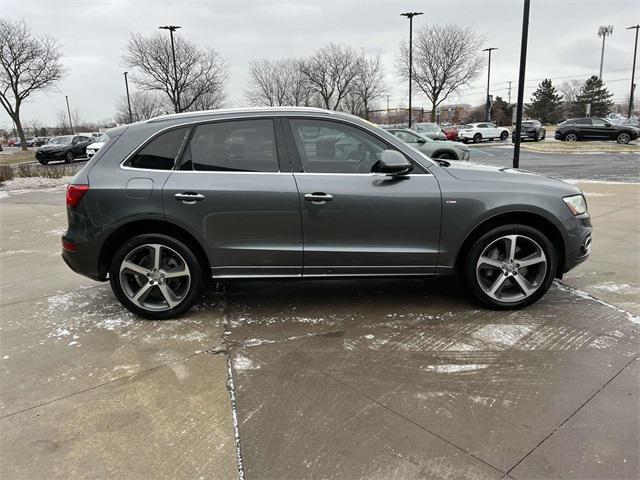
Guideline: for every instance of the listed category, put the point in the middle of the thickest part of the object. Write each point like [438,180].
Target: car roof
[241,111]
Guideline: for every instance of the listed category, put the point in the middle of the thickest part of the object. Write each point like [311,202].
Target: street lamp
[604,31]
[523,64]
[410,16]
[488,108]
[633,70]
[69,112]
[173,28]
[126,85]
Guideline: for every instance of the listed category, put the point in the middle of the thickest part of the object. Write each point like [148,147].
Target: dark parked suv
[292,193]
[595,128]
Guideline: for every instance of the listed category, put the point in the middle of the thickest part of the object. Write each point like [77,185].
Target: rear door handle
[318,197]
[189,197]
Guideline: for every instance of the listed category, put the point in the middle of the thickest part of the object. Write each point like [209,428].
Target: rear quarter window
[161,152]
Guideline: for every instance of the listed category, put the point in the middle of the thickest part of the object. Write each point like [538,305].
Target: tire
[480,277]
[536,138]
[623,138]
[571,137]
[160,298]
[69,158]
[544,135]
[504,136]
[477,138]
[464,140]
[43,162]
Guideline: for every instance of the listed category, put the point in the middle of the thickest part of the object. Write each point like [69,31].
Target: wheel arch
[527,218]
[445,150]
[139,227]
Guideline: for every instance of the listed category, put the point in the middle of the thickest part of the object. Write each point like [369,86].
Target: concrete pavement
[345,379]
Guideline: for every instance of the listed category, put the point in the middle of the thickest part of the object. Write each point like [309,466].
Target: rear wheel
[510,267]
[70,157]
[477,138]
[43,162]
[155,276]
[623,138]
[504,136]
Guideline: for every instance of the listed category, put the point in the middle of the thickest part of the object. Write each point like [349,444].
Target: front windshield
[61,140]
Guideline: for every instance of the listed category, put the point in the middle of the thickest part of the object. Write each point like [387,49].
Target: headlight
[576,203]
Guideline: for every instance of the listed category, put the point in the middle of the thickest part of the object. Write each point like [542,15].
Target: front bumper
[91,152]
[578,245]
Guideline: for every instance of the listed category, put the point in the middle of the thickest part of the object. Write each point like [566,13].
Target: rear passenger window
[234,146]
[161,152]
[583,121]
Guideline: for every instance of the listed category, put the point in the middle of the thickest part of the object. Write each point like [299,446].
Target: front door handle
[189,197]
[318,197]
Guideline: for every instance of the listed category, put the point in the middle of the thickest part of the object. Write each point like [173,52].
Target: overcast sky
[563,41]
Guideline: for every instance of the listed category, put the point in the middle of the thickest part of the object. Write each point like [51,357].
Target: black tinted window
[237,146]
[331,147]
[161,152]
[582,121]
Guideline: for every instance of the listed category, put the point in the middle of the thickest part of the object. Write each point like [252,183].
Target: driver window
[331,147]
[599,122]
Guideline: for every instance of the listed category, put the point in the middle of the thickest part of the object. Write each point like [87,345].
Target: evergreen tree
[545,103]
[500,112]
[595,93]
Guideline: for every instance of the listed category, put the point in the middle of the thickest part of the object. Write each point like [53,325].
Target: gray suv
[307,193]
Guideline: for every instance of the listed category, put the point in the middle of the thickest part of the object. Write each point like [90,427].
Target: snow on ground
[242,363]
[456,368]
[20,185]
[573,181]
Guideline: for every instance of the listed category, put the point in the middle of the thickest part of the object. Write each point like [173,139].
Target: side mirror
[393,162]
[421,140]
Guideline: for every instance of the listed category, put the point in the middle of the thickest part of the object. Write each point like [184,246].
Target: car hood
[97,145]
[477,172]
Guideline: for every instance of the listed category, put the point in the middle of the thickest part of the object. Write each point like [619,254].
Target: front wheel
[477,138]
[69,158]
[571,137]
[43,162]
[623,138]
[504,136]
[510,267]
[155,276]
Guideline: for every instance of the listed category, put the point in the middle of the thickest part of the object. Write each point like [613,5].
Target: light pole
[604,31]
[633,70]
[173,28]
[126,85]
[410,16]
[487,115]
[69,112]
[523,64]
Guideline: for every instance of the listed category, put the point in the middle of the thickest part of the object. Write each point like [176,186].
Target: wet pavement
[406,379]
[369,378]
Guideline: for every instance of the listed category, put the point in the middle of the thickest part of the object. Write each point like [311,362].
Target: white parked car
[476,132]
[97,145]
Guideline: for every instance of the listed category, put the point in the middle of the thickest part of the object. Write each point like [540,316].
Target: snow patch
[507,335]
[451,368]
[573,181]
[242,363]
[584,295]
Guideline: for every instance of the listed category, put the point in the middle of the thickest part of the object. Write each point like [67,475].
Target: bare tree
[201,73]
[274,83]
[29,64]
[445,58]
[331,72]
[144,105]
[369,83]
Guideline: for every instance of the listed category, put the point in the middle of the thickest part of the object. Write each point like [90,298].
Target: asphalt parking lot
[343,379]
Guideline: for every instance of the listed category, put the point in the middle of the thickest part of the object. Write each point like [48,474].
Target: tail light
[75,194]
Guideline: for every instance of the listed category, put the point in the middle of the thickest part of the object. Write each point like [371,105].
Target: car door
[602,129]
[585,128]
[356,222]
[230,191]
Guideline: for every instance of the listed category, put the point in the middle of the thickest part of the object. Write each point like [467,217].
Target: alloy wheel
[511,268]
[571,137]
[155,277]
[624,138]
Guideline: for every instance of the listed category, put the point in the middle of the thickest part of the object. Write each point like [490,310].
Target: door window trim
[298,167]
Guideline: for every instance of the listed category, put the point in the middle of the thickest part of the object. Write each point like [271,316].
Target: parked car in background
[431,130]
[12,142]
[39,141]
[451,132]
[632,122]
[595,128]
[93,148]
[431,148]
[476,132]
[616,118]
[174,201]
[67,148]
[531,130]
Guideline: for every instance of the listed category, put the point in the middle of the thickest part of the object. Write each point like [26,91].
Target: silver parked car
[431,148]
[307,193]
[431,130]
